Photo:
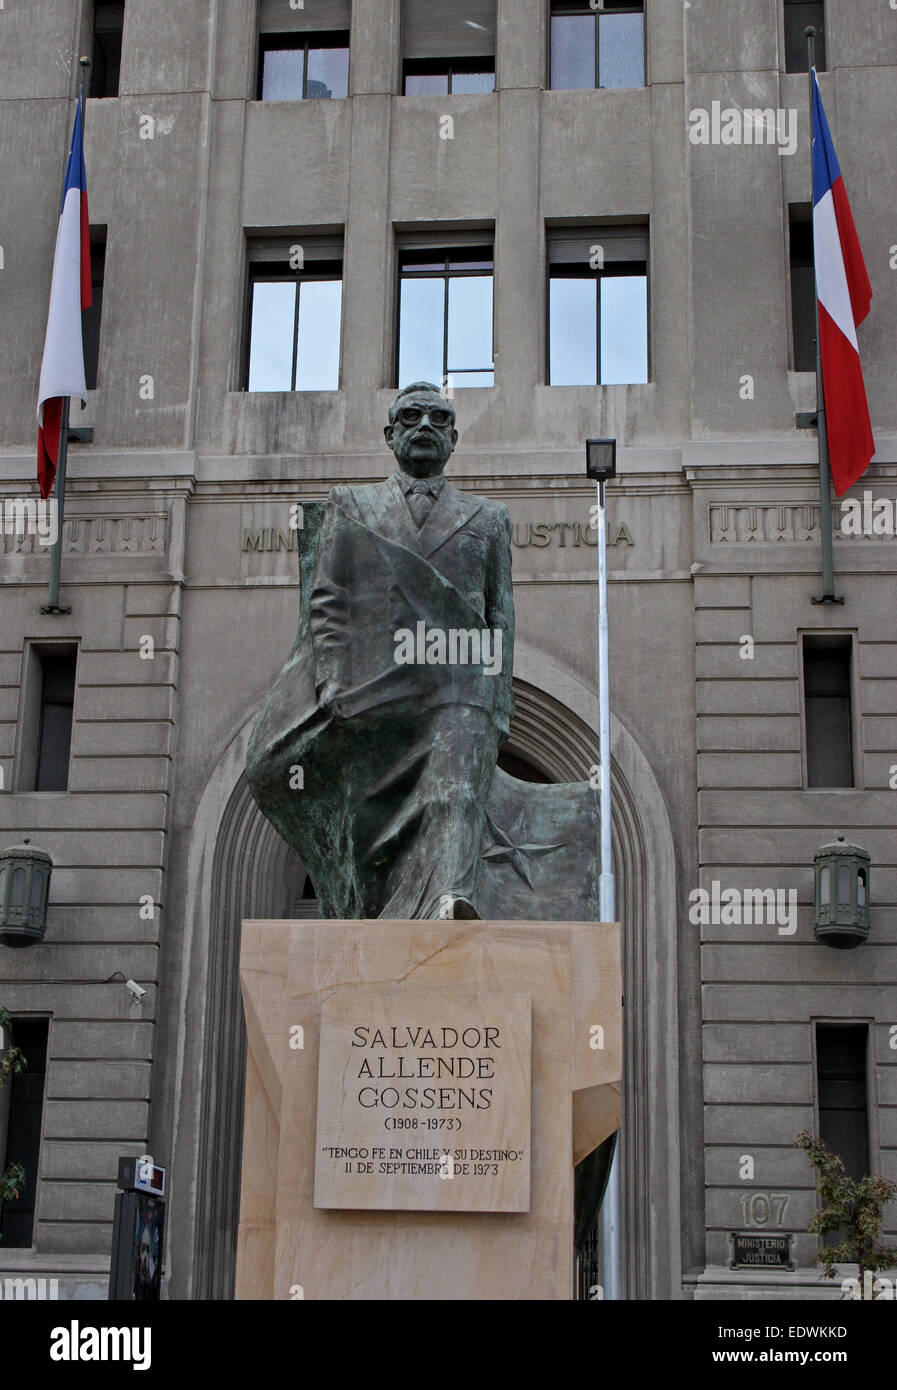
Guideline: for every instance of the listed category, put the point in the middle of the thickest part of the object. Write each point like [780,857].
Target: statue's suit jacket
[367,573]
[377,574]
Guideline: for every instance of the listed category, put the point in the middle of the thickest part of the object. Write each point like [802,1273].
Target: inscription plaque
[424,1101]
[748,1251]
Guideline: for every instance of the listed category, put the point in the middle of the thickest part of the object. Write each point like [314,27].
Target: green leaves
[12,1059]
[12,1183]
[854,1208]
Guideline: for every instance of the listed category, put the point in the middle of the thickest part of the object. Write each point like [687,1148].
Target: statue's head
[421,430]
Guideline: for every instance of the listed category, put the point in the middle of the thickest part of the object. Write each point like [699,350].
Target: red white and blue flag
[62,370]
[844,294]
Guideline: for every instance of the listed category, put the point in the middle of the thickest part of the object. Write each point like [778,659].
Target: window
[93,315]
[105,69]
[444,77]
[598,306]
[449,47]
[57,699]
[828,717]
[803,286]
[296,67]
[445,315]
[843,1104]
[23,1129]
[45,725]
[304,51]
[798,15]
[295,306]
[604,49]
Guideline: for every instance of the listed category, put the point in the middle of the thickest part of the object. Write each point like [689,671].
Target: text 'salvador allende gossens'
[473,1062]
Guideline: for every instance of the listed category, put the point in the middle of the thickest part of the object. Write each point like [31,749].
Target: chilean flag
[844,294]
[62,371]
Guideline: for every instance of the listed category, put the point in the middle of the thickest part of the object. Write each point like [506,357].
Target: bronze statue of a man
[375,751]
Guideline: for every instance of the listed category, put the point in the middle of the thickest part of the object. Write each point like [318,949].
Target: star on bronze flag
[506,851]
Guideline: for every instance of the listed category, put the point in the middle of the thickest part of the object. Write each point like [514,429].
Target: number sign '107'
[762,1209]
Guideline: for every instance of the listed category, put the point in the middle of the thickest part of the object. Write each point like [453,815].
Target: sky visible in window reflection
[470,323]
[272,329]
[621,51]
[571,332]
[572,51]
[422,326]
[573,339]
[328,73]
[424,304]
[624,329]
[436,83]
[271,337]
[468,83]
[317,356]
[422,84]
[282,74]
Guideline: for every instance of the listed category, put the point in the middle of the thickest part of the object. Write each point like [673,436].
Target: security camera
[137,990]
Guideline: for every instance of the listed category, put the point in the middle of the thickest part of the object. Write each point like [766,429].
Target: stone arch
[241,866]
[562,725]
[248,879]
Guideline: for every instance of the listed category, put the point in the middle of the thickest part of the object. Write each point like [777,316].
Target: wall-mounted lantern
[842,894]
[24,890]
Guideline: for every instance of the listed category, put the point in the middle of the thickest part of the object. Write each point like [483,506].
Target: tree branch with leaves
[855,1208]
[12,1181]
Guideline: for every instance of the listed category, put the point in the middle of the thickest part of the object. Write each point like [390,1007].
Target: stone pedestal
[464,1068]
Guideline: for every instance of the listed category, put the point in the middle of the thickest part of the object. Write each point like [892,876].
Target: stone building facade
[177,529]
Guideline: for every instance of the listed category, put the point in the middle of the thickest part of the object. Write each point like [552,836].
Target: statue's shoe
[452,908]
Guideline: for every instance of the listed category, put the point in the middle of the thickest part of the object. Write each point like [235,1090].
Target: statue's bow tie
[424,485]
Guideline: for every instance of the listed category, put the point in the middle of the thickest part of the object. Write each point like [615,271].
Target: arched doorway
[255,875]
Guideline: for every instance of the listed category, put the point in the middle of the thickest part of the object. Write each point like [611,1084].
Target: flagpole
[601,464]
[825,474]
[52,604]
[611,1216]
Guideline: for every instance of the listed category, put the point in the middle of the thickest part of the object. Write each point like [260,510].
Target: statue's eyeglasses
[413,414]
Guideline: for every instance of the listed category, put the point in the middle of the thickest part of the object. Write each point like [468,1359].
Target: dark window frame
[438,67]
[100,59]
[570,9]
[261,269]
[92,318]
[864,1028]
[581,270]
[274,43]
[29,1153]
[58,655]
[817,640]
[444,250]
[802,343]
[821,30]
